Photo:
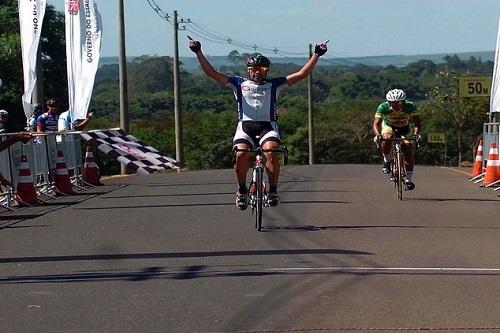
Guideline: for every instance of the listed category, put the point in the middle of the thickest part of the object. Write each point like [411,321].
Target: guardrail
[41,153]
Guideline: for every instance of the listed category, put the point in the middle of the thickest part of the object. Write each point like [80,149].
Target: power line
[206,34]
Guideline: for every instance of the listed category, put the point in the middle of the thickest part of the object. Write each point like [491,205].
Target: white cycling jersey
[257,101]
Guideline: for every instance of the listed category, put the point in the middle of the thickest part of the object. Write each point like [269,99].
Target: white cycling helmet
[395,95]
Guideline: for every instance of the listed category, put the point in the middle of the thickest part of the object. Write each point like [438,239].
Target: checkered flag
[125,148]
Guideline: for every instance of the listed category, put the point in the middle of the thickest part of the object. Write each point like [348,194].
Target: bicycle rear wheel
[259,198]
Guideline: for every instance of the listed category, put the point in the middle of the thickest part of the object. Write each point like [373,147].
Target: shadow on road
[284,202]
[201,271]
[170,255]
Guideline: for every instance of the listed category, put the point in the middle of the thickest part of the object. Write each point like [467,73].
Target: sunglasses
[261,69]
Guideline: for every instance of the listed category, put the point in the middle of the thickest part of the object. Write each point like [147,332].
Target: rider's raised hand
[320,49]
[194,45]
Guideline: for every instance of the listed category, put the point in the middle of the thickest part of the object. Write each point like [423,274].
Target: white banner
[83,49]
[31,15]
[495,83]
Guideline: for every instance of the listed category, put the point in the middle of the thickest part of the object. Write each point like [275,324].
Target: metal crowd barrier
[41,153]
[491,133]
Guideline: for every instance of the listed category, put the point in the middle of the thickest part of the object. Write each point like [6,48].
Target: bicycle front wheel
[259,194]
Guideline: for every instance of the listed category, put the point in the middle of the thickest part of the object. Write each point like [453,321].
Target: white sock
[409,175]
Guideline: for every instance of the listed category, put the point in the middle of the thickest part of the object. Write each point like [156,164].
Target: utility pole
[124,121]
[179,137]
[179,143]
[310,107]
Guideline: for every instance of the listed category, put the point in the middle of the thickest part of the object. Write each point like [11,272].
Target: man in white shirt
[65,122]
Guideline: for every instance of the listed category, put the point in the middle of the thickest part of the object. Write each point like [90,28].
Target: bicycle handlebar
[399,139]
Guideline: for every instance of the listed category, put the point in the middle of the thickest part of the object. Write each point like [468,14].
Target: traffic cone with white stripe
[90,169]
[25,190]
[62,183]
[478,163]
[492,173]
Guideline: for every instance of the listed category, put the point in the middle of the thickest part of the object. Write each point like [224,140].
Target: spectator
[65,122]
[47,122]
[4,118]
[31,122]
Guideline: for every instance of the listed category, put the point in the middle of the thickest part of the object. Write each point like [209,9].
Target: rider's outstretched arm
[307,69]
[195,46]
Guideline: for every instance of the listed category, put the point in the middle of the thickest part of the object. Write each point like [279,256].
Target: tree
[53,60]
[234,57]
[151,74]
[461,113]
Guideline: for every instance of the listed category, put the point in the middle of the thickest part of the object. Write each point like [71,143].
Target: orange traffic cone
[478,163]
[90,169]
[62,182]
[25,190]
[492,173]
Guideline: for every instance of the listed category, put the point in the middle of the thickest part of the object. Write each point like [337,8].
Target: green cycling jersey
[393,118]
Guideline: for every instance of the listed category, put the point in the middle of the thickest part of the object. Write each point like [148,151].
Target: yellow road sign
[474,85]
[436,138]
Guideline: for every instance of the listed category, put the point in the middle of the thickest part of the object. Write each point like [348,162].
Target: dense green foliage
[345,99]
[53,53]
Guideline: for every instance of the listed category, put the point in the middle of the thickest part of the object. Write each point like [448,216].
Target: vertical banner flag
[31,15]
[495,82]
[83,49]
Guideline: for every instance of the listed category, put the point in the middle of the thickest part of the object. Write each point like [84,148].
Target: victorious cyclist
[257,98]
[392,118]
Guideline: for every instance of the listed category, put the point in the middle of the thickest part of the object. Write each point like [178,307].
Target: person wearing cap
[31,122]
[4,118]
[47,122]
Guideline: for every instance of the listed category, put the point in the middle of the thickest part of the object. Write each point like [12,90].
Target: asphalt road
[171,253]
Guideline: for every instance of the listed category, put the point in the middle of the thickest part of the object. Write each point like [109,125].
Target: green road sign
[436,138]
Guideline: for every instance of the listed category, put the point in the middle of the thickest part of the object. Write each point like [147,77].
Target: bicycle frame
[398,167]
[257,194]
[398,170]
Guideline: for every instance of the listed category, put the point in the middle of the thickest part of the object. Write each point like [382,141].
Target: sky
[355,28]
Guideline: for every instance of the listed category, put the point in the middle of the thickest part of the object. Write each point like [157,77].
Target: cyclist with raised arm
[392,118]
[257,98]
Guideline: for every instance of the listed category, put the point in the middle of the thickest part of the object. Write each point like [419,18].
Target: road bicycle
[258,191]
[398,165]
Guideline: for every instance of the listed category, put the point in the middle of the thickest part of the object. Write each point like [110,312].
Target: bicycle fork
[258,177]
